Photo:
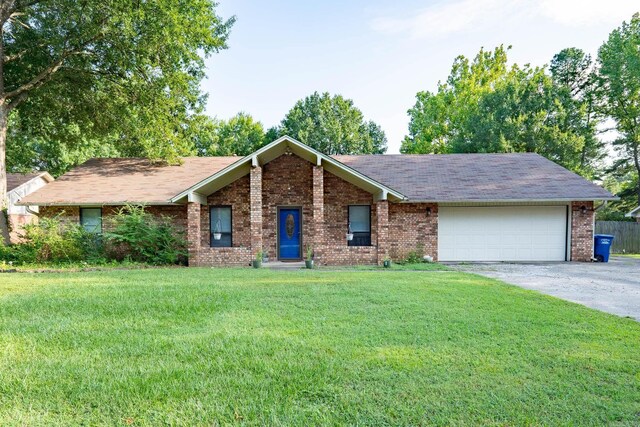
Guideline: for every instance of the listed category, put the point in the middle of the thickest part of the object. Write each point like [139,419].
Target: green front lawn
[628,255]
[210,347]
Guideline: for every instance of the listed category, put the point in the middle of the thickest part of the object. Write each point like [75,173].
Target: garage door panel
[522,233]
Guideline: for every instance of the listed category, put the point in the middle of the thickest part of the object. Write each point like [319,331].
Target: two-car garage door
[514,233]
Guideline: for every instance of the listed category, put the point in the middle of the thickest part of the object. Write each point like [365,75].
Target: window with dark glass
[360,225]
[220,218]
[91,219]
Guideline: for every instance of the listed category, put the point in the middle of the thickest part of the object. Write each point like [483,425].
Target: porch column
[193,233]
[255,196]
[318,211]
[382,215]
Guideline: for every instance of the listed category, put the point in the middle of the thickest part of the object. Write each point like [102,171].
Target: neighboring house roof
[112,181]
[433,178]
[15,180]
[634,213]
[476,177]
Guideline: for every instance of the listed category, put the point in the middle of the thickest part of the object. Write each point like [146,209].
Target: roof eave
[546,200]
[94,203]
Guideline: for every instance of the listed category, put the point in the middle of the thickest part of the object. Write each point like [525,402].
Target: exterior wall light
[583,209]
[428,211]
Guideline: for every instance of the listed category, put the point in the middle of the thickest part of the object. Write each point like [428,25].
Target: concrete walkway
[613,287]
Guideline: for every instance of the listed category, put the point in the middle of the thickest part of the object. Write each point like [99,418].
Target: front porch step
[279,265]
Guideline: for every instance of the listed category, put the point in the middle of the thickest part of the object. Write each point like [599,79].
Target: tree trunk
[636,162]
[4,122]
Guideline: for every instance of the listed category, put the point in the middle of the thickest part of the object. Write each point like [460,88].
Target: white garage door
[522,233]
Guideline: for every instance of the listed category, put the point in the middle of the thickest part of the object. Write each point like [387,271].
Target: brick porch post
[318,211]
[255,197]
[382,214]
[193,233]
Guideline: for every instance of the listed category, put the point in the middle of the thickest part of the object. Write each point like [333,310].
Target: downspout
[602,205]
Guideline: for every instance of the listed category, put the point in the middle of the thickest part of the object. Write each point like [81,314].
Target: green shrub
[53,241]
[143,237]
[414,257]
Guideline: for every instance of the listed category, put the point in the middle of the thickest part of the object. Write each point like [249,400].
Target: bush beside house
[136,236]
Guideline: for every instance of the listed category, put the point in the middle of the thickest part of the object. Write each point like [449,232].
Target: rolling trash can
[602,247]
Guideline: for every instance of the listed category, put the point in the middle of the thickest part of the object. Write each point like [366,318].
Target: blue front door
[289,233]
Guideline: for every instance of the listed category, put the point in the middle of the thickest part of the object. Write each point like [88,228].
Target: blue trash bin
[602,246]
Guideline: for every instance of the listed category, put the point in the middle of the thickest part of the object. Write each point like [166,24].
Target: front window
[91,219]
[220,226]
[360,225]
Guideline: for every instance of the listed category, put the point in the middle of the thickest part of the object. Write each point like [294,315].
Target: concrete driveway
[613,287]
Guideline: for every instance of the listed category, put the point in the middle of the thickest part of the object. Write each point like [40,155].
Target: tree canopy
[239,136]
[333,125]
[488,106]
[619,90]
[86,78]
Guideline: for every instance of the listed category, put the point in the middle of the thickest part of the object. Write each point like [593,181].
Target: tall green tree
[126,73]
[575,80]
[438,119]
[619,85]
[333,125]
[488,106]
[240,135]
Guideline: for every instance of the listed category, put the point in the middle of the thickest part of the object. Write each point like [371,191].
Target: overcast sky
[381,53]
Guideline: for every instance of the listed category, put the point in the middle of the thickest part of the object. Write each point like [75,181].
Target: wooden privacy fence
[627,235]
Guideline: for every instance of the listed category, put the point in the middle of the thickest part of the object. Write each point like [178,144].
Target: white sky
[381,53]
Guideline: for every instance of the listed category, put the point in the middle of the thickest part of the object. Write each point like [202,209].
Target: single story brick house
[350,209]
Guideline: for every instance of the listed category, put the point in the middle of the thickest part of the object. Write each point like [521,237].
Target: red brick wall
[286,181]
[581,231]
[193,233]
[382,230]
[318,237]
[235,195]
[71,214]
[338,195]
[410,228]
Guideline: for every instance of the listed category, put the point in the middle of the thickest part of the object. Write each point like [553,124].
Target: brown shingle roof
[476,177]
[443,178]
[121,180]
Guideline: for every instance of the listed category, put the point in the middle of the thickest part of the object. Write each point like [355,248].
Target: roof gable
[274,150]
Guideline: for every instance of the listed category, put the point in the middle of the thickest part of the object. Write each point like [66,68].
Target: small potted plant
[308,261]
[217,230]
[257,262]
[349,233]
[386,262]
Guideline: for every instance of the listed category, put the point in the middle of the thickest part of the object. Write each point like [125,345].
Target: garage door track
[613,287]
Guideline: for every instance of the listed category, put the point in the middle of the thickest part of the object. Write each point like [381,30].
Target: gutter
[512,200]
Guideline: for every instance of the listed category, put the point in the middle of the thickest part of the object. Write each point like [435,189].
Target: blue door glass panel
[289,233]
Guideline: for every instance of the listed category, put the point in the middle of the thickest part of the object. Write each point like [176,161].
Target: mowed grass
[628,255]
[256,347]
